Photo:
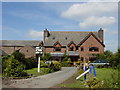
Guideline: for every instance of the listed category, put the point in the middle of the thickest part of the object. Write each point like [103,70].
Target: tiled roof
[20,42]
[64,38]
[2,52]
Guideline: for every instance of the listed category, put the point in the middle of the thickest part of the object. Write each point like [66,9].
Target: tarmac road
[44,81]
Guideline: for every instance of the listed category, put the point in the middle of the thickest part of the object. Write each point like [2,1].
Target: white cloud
[83,10]
[35,34]
[111,32]
[97,22]
[60,0]
[103,0]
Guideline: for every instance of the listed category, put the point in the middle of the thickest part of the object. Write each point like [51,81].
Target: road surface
[44,81]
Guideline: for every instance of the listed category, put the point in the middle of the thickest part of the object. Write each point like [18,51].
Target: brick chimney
[101,35]
[46,34]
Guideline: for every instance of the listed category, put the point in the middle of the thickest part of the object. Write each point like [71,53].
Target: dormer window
[71,48]
[57,49]
[57,46]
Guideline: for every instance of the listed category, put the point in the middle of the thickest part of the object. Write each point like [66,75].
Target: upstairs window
[82,49]
[93,49]
[57,49]
[76,48]
[71,48]
[65,38]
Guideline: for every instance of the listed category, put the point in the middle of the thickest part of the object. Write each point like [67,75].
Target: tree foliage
[46,57]
[65,57]
[19,56]
[13,68]
[113,58]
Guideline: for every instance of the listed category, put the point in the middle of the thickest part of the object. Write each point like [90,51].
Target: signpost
[39,52]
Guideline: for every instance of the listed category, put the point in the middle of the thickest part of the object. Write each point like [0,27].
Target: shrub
[65,57]
[47,57]
[19,56]
[43,64]
[14,68]
[65,64]
[78,62]
[45,70]
[94,83]
[55,66]
[30,62]
[69,62]
[103,66]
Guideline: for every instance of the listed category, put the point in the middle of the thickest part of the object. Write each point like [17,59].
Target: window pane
[93,49]
[57,49]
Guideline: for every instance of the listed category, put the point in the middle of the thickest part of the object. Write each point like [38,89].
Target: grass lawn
[108,75]
[34,71]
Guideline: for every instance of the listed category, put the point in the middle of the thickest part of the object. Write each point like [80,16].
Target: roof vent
[53,38]
[65,38]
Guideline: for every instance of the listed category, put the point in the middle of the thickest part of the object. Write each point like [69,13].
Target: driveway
[44,81]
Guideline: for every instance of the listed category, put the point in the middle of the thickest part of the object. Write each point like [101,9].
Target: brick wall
[51,50]
[28,51]
[90,42]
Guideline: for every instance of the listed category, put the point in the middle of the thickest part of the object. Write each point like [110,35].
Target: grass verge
[107,75]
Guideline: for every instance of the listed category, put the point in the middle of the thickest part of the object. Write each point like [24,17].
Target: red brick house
[27,47]
[76,45]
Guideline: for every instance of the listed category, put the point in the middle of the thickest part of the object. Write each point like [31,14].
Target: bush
[43,65]
[65,64]
[19,56]
[30,63]
[69,62]
[55,66]
[94,83]
[47,57]
[65,57]
[14,68]
[103,66]
[78,62]
[45,70]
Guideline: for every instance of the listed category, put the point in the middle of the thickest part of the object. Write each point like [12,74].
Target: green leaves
[13,68]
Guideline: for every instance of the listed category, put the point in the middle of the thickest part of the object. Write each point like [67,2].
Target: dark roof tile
[60,36]
[20,42]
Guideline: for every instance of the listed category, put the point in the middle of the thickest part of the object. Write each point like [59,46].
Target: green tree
[4,62]
[14,68]
[65,57]
[115,59]
[108,54]
[100,56]
[65,62]
[47,57]
[31,62]
[19,56]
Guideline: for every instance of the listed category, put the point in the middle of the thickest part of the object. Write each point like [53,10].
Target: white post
[39,63]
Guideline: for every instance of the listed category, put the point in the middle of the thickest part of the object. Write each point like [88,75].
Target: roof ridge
[20,40]
[73,31]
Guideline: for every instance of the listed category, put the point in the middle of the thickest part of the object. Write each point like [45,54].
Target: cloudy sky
[27,20]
